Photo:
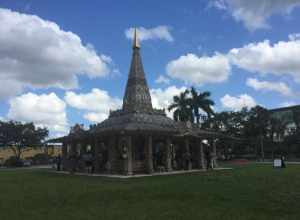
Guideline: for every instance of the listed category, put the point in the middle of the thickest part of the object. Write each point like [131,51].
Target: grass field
[251,192]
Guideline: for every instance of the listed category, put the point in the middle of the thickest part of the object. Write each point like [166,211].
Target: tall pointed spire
[137,96]
[135,40]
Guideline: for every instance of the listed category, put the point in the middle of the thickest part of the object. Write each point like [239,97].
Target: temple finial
[135,40]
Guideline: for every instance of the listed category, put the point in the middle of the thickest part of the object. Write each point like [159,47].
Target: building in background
[51,150]
[289,117]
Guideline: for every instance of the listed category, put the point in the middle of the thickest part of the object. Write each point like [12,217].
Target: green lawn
[251,192]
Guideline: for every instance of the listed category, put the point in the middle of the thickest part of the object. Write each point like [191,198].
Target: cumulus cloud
[95,117]
[199,70]
[254,14]
[265,58]
[287,104]
[162,98]
[238,102]
[37,53]
[280,58]
[160,32]
[45,110]
[294,36]
[219,4]
[162,80]
[96,104]
[279,87]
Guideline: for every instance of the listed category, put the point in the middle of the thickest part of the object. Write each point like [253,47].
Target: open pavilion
[138,139]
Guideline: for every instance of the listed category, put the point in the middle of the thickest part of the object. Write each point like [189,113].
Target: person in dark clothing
[88,162]
[282,162]
[186,160]
[208,159]
[58,163]
[74,161]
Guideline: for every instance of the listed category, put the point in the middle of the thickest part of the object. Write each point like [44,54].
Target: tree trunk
[16,151]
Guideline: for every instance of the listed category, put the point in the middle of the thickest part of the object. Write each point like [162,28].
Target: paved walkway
[141,175]
[27,168]
[271,162]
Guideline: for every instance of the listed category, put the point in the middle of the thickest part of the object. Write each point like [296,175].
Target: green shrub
[40,159]
[13,162]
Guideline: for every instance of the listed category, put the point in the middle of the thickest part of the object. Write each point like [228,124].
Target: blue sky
[244,52]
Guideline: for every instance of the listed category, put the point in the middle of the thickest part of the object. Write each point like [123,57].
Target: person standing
[208,159]
[283,162]
[58,163]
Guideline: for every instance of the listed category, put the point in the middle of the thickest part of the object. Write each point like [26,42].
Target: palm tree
[181,104]
[201,101]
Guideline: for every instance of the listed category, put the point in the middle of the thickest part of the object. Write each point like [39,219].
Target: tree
[220,122]
[182,107]
[18,136]
[257,126]
[201,101]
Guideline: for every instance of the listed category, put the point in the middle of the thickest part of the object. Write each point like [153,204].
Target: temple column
[199,153]
[188,153]
[214,153]
[128,162]
[64,156]
[168,155]
[202,155]
[73,148]
[73,157]
[96,155]
[149,154]
[110,156]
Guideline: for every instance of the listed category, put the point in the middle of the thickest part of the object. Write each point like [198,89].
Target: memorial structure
[137,138]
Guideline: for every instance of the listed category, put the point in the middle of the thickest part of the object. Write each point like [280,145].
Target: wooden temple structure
[137,138]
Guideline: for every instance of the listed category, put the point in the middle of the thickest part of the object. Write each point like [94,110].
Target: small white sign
[277,163]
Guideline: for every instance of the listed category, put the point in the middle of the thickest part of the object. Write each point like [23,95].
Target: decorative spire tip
[135,40]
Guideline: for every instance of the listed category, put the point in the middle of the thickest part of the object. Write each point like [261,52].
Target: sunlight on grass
[251,192]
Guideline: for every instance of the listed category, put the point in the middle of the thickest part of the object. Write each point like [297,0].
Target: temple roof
[138,122]
[137,96]
[137,112]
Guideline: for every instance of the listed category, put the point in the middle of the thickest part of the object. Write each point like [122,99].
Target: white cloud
[45,110]
[237,103]
[279,87]
[265,58]
[287,104]
[294,36]
[219,4]
[160,32]
[95,117]
[199,70]
[162,79]
[254,13]
[37,53]
[162,98]
[96,104]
